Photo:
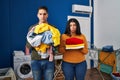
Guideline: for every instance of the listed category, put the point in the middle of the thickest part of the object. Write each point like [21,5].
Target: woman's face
[73,27]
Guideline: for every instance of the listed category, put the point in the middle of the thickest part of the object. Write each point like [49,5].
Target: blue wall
[17,15]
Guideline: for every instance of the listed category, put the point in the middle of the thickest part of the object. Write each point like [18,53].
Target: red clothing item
[73,41]
[116,74]
[73,55]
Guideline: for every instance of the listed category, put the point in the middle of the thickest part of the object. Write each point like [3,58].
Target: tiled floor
[92,74]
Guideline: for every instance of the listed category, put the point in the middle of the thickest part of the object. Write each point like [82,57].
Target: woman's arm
[85,49]
[61,48]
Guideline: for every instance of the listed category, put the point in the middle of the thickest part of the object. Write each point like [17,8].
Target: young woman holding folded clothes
[74,47]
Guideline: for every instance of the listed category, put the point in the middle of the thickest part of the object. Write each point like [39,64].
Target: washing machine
[22,67]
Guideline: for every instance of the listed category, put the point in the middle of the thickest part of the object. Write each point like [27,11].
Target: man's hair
[43,7]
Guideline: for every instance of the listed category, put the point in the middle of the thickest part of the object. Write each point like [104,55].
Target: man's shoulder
[32,26]
[53,25]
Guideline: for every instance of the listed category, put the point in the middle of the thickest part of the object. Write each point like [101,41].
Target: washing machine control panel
[22,58]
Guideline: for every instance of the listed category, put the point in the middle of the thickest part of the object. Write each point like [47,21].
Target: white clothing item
[43,55]
[34,40]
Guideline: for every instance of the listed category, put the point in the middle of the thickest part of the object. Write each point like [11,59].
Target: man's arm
[27,50]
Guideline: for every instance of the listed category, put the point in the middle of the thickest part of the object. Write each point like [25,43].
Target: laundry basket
[7,74]
[115,76]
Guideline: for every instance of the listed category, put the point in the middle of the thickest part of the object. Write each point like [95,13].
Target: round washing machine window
[24,70]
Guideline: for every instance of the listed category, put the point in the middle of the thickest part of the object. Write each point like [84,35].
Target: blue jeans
[42,69]
[74,70]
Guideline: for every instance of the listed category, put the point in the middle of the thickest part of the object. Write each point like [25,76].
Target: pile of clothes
[42,36]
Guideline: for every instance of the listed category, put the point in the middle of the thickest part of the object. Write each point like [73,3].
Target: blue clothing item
[47,37]
[74,70]
[42,69]
[35,40]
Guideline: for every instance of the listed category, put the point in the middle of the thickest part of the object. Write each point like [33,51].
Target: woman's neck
[73,34]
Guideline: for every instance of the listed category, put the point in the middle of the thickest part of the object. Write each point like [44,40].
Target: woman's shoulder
[83,35]
[64,35]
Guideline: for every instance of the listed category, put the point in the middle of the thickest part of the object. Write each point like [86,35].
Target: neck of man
[40,22]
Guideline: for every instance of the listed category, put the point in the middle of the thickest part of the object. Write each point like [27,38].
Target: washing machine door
[24,70]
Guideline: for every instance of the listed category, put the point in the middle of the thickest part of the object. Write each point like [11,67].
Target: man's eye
[43,14]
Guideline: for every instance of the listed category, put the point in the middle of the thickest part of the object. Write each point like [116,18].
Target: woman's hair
[78,31]
[43,7]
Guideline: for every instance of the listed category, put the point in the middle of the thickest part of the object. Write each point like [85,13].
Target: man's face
[42,15]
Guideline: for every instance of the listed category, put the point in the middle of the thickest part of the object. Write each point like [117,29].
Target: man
[42,62]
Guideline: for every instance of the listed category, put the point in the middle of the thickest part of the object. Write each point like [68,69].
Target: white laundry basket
[7,74]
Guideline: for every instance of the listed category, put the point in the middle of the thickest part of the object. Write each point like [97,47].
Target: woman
[73,46]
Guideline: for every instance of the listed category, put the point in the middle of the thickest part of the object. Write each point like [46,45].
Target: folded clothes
[74,43]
